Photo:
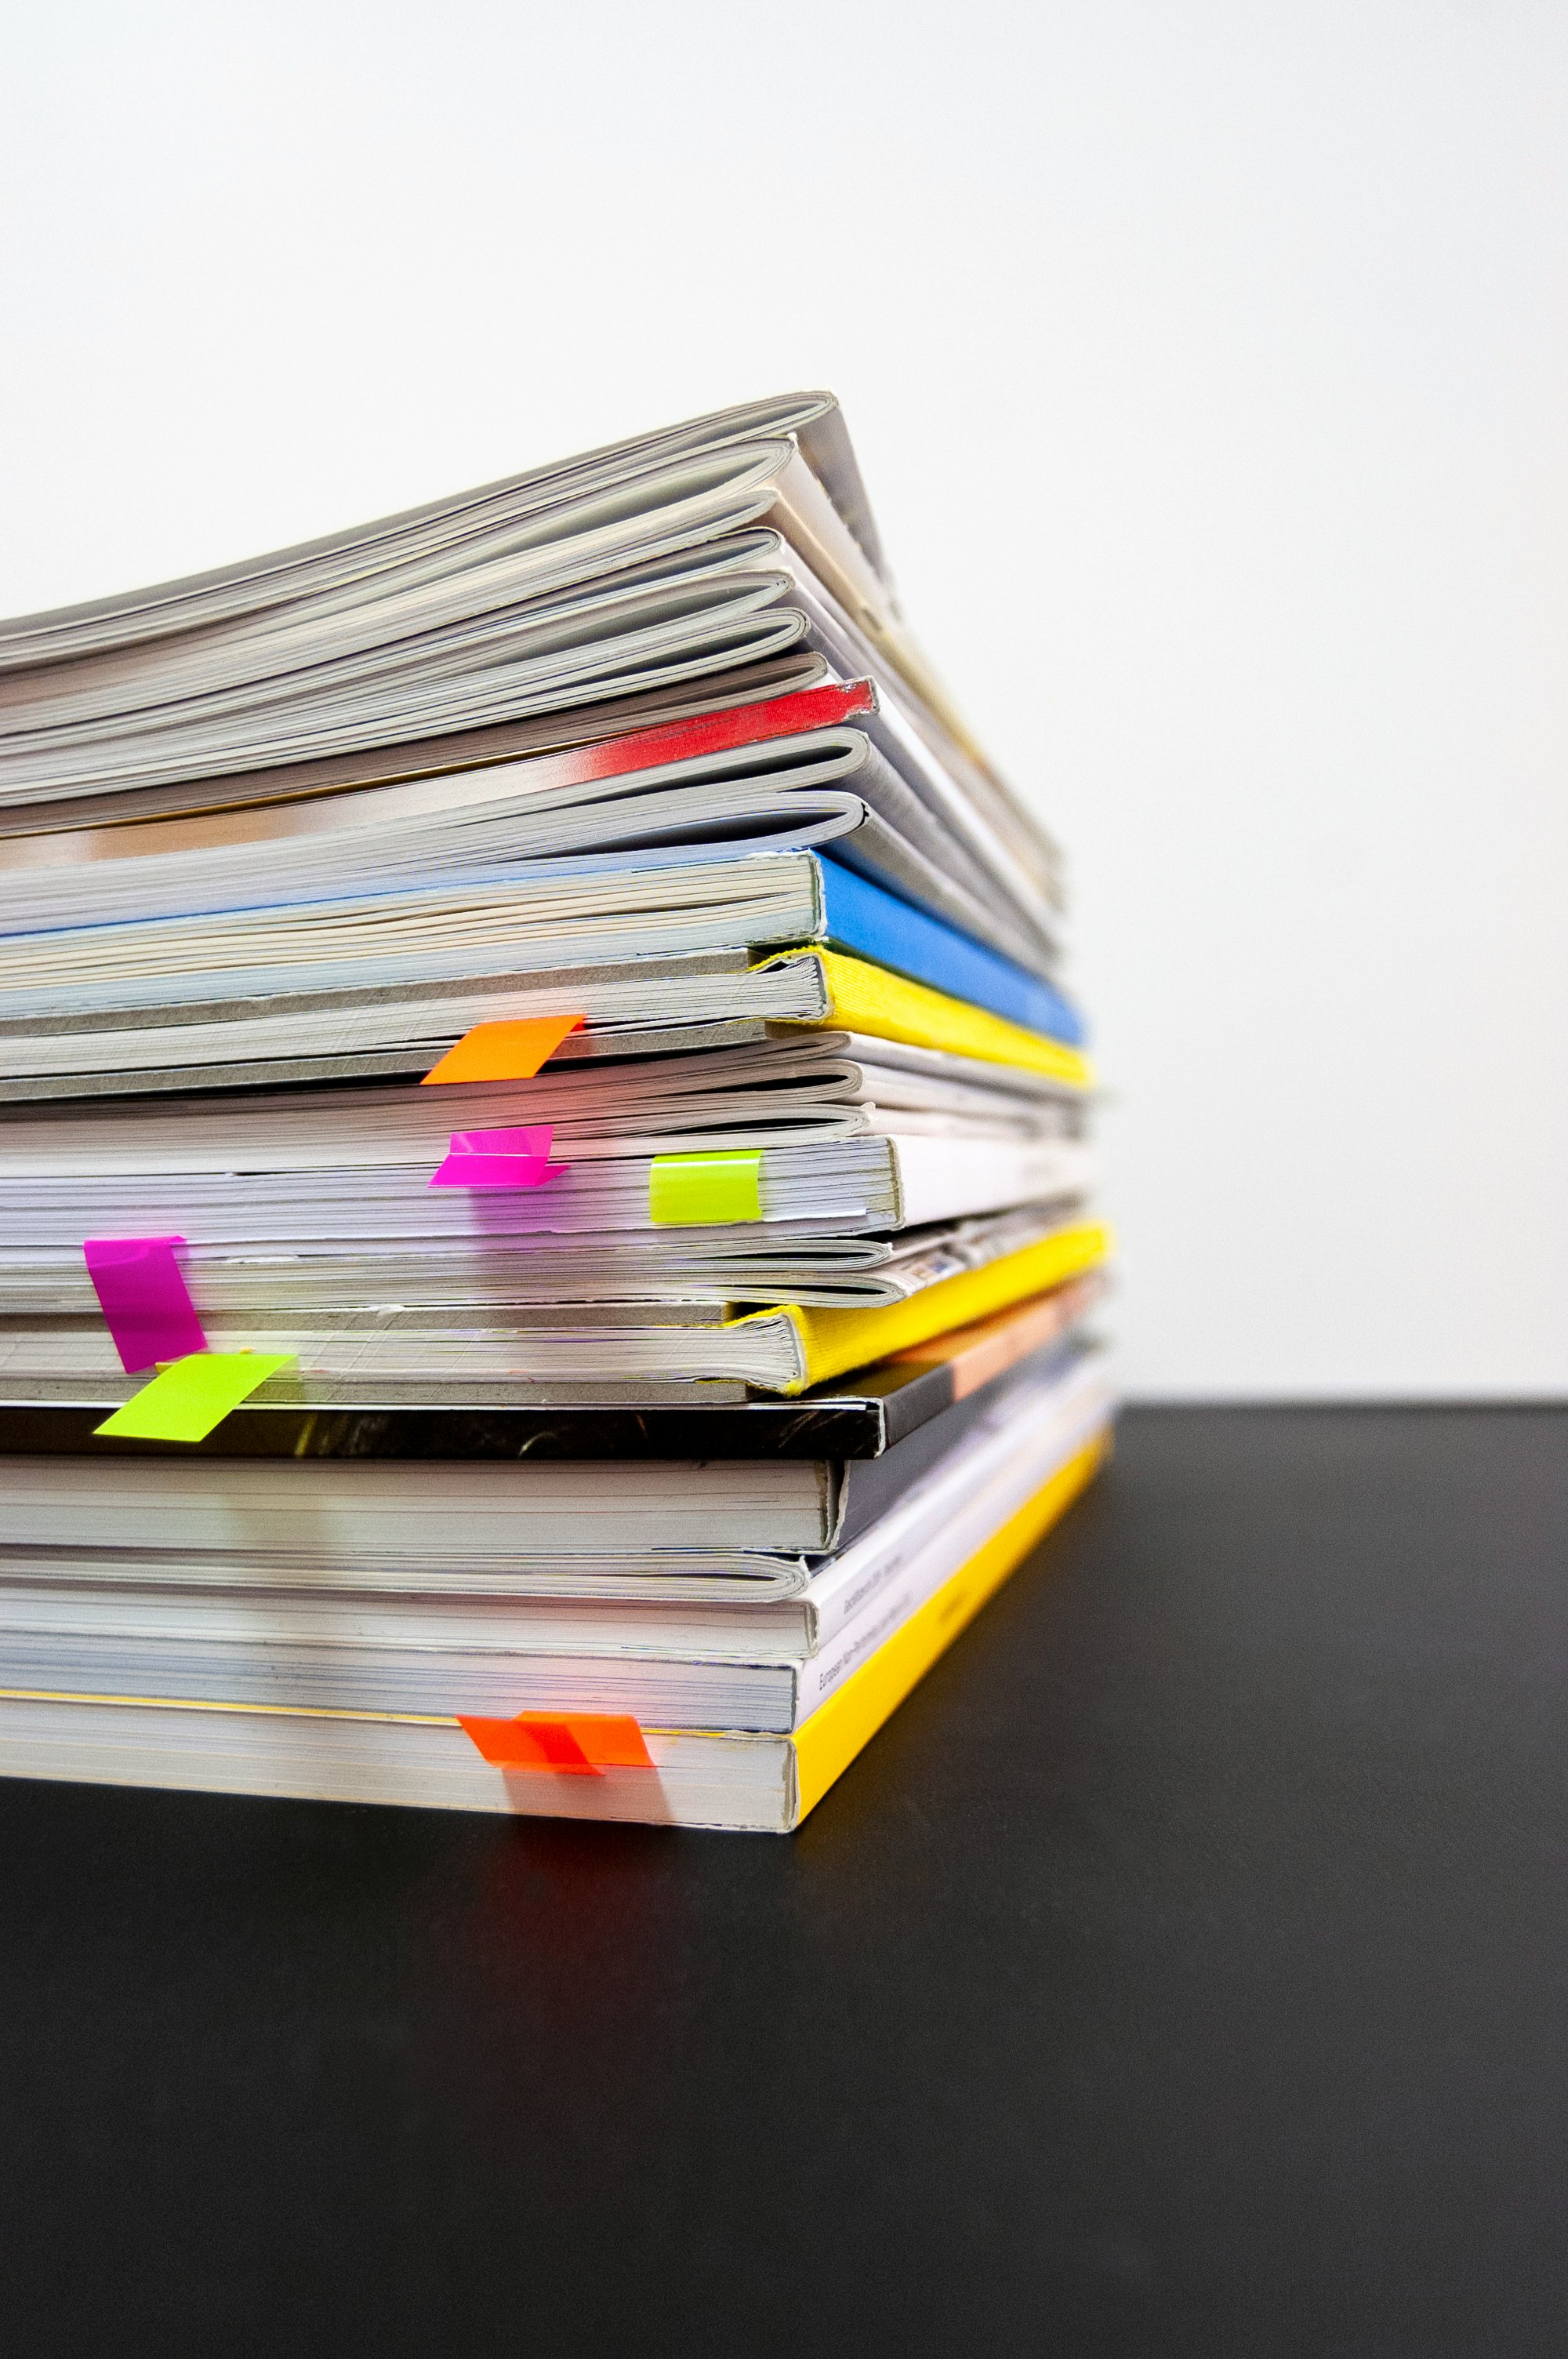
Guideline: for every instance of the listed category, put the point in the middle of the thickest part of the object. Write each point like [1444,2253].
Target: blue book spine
[871,924]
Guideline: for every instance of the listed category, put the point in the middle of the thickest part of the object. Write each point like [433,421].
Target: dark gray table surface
[1184,1971]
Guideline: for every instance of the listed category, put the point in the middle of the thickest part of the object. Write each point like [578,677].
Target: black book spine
[837,1429]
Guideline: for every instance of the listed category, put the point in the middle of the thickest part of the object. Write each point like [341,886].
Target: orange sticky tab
[513,1051]
[611,1739]
[580,1744]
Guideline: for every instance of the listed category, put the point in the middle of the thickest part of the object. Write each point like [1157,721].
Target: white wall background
[1207,365]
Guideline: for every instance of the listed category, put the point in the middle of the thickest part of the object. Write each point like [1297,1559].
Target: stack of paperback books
[543,1255]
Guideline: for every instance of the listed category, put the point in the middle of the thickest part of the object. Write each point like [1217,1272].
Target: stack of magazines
[544,1253]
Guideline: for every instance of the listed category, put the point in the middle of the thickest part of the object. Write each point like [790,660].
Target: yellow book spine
[832,1340]
[827,1744]
[886,1006]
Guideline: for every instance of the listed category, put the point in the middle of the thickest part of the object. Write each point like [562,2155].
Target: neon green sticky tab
[189,1396]
[690,1191]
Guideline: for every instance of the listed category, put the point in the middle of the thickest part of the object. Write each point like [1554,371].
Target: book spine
[833,1341]
[916,1404]
[827,1744]
[827,1431]
[948,1179]
[895,1572]
[862,919]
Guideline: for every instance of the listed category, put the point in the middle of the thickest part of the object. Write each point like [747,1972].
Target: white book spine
[817,1679]
[876,1583]
[943,1178]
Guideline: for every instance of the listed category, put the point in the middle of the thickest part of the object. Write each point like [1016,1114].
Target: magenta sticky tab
[144,1299]
[533,1140]
[518,1158]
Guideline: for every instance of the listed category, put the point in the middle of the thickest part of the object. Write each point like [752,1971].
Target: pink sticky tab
[533,1139]
[500,1159]
[495,1171]
[144,1299]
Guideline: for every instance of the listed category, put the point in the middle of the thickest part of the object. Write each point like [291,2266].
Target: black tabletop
[1184,1970]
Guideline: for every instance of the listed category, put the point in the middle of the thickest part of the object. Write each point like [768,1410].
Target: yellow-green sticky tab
[187,1398]
[691,1191]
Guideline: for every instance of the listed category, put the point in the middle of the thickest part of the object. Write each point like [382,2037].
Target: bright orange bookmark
[581,1744]
[511,1051]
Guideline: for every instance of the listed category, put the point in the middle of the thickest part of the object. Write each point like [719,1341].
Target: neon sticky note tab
[187,1399]
[574,1743]
[532,1138]
[500,1159]
[494,1171]
[690,1191]
[511,1051]
[144,1299]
